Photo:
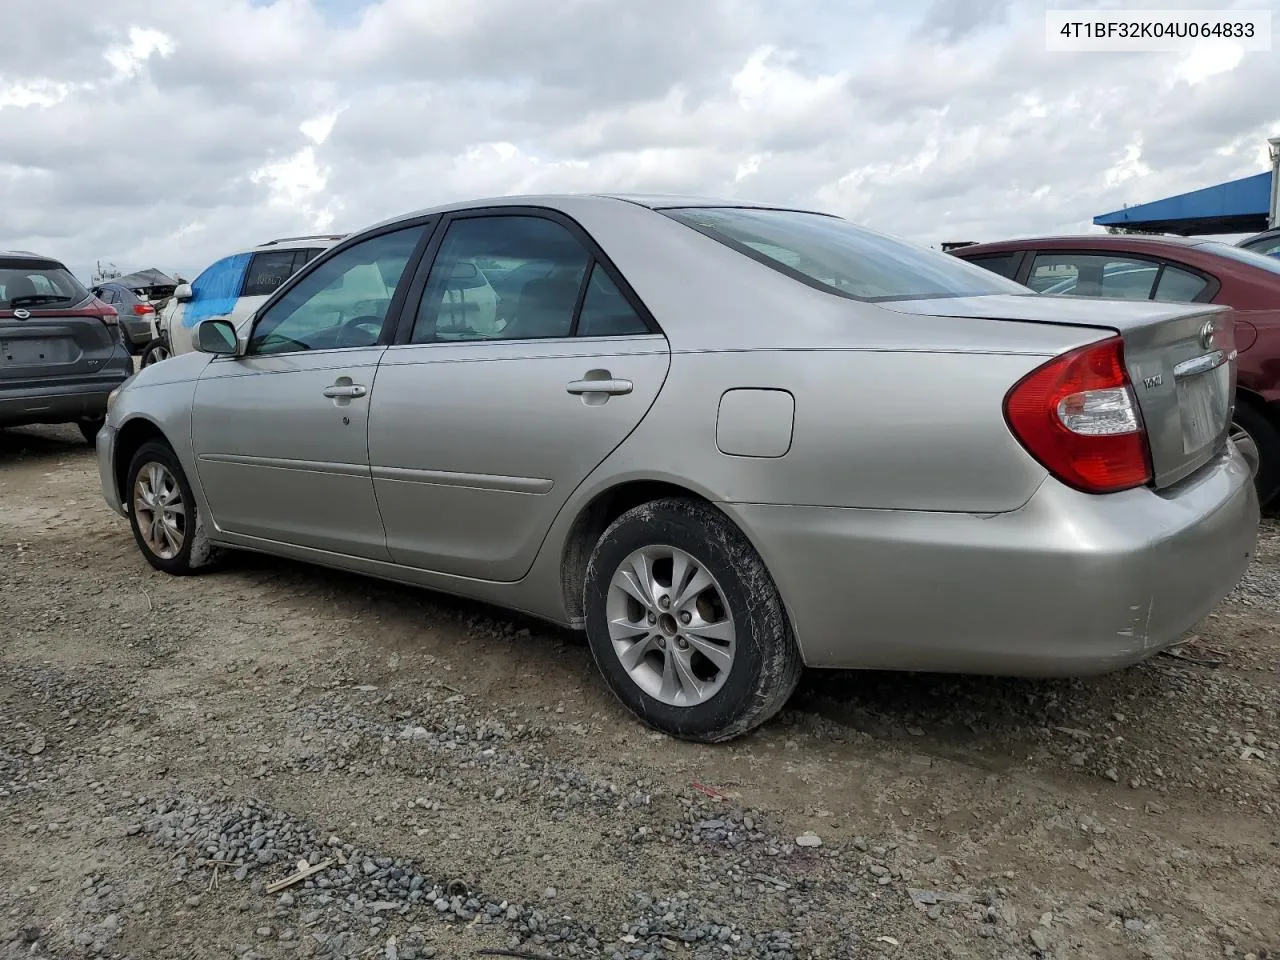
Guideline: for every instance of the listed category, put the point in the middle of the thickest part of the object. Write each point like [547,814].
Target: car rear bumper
[1069,584]
[137,331]
[64,401]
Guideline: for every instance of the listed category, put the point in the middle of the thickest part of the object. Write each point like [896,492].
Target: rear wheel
[1259,442]
[155,351]
[163,513]
[685,623]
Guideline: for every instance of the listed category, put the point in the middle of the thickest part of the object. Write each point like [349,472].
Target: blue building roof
[1237,206]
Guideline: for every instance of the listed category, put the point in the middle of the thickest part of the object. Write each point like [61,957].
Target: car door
[499,398]
[280,433]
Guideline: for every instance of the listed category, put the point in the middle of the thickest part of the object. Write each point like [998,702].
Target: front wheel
[685,623]
[163,513]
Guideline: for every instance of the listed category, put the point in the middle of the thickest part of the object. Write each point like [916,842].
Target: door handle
[346,390]
[613,388]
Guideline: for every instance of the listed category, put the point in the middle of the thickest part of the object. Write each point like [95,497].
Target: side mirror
[217,337]
[182,292]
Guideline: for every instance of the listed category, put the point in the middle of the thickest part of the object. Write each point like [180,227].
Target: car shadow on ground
[955,714]
[40,443]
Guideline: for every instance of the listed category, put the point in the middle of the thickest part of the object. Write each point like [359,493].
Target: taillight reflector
[142,309]
[104,312]
[1078,416]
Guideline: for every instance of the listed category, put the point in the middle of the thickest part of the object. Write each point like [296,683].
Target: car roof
[28,255]
[1255,238]
[1104,240]
[298,243]
[565,202]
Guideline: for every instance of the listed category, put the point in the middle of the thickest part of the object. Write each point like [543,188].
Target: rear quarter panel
[902,429]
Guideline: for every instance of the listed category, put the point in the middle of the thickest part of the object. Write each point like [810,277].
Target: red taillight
[104,312]
[142,309]
[1078,416]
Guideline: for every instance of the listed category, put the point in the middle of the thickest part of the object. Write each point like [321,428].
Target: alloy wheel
[670,626]
[160,511]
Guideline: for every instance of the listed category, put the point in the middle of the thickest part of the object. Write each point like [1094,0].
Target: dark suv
[61,351]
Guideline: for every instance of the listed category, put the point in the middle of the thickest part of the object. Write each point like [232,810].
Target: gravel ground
[171,749]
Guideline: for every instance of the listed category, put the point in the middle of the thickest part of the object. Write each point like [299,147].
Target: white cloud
[945,120]
[127,60]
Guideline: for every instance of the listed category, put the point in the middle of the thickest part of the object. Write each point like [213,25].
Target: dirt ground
[169,747]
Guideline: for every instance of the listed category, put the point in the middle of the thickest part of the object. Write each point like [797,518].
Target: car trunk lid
[1181,359]
[42,343]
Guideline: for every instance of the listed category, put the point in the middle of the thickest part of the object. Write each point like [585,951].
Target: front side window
[835,255]
[502,278]
[1092,275]
[342,302]
[267,270]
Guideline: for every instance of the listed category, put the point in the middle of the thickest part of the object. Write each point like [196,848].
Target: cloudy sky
[168,134]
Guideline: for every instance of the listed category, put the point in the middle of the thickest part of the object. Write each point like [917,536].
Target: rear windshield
[835,255]
[36,285]
[1260,260]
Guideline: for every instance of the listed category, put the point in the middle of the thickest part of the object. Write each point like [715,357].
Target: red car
[1135,267]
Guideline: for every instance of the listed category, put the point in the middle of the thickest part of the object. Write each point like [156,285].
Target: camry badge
[21,314]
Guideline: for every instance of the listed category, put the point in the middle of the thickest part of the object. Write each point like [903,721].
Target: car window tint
[502,278]
[267,271]
[605,311]
[1002,263]
[1178,285]
[37,285]
[1092,275]
[1267,245]
[835,255]
[343,302]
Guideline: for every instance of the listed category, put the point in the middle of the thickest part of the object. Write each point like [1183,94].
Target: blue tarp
[215,291]
[1237,206]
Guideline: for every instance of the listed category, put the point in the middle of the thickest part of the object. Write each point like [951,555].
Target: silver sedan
[726,440]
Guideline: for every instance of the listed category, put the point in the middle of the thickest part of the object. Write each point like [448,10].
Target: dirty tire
[196,553]
[155,351]
[766,665]
[1256,424]
[89,429]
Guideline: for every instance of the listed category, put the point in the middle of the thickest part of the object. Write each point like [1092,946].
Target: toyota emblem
[21,314]
[1206,334]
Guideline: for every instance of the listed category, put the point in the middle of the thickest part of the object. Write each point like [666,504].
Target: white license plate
[1203,401]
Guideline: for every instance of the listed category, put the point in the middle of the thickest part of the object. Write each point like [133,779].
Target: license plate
[1203,401]
[29,352]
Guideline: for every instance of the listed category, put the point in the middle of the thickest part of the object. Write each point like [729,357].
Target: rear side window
[1092,275]
[606,312]
[835,255]
[1178,286]
[267,270]
[1005,264]
[36,284]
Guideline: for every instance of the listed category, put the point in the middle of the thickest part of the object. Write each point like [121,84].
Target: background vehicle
[1173,269]
[137,312]
[232,287]
[61,352]
[725,440]
[1267,242]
